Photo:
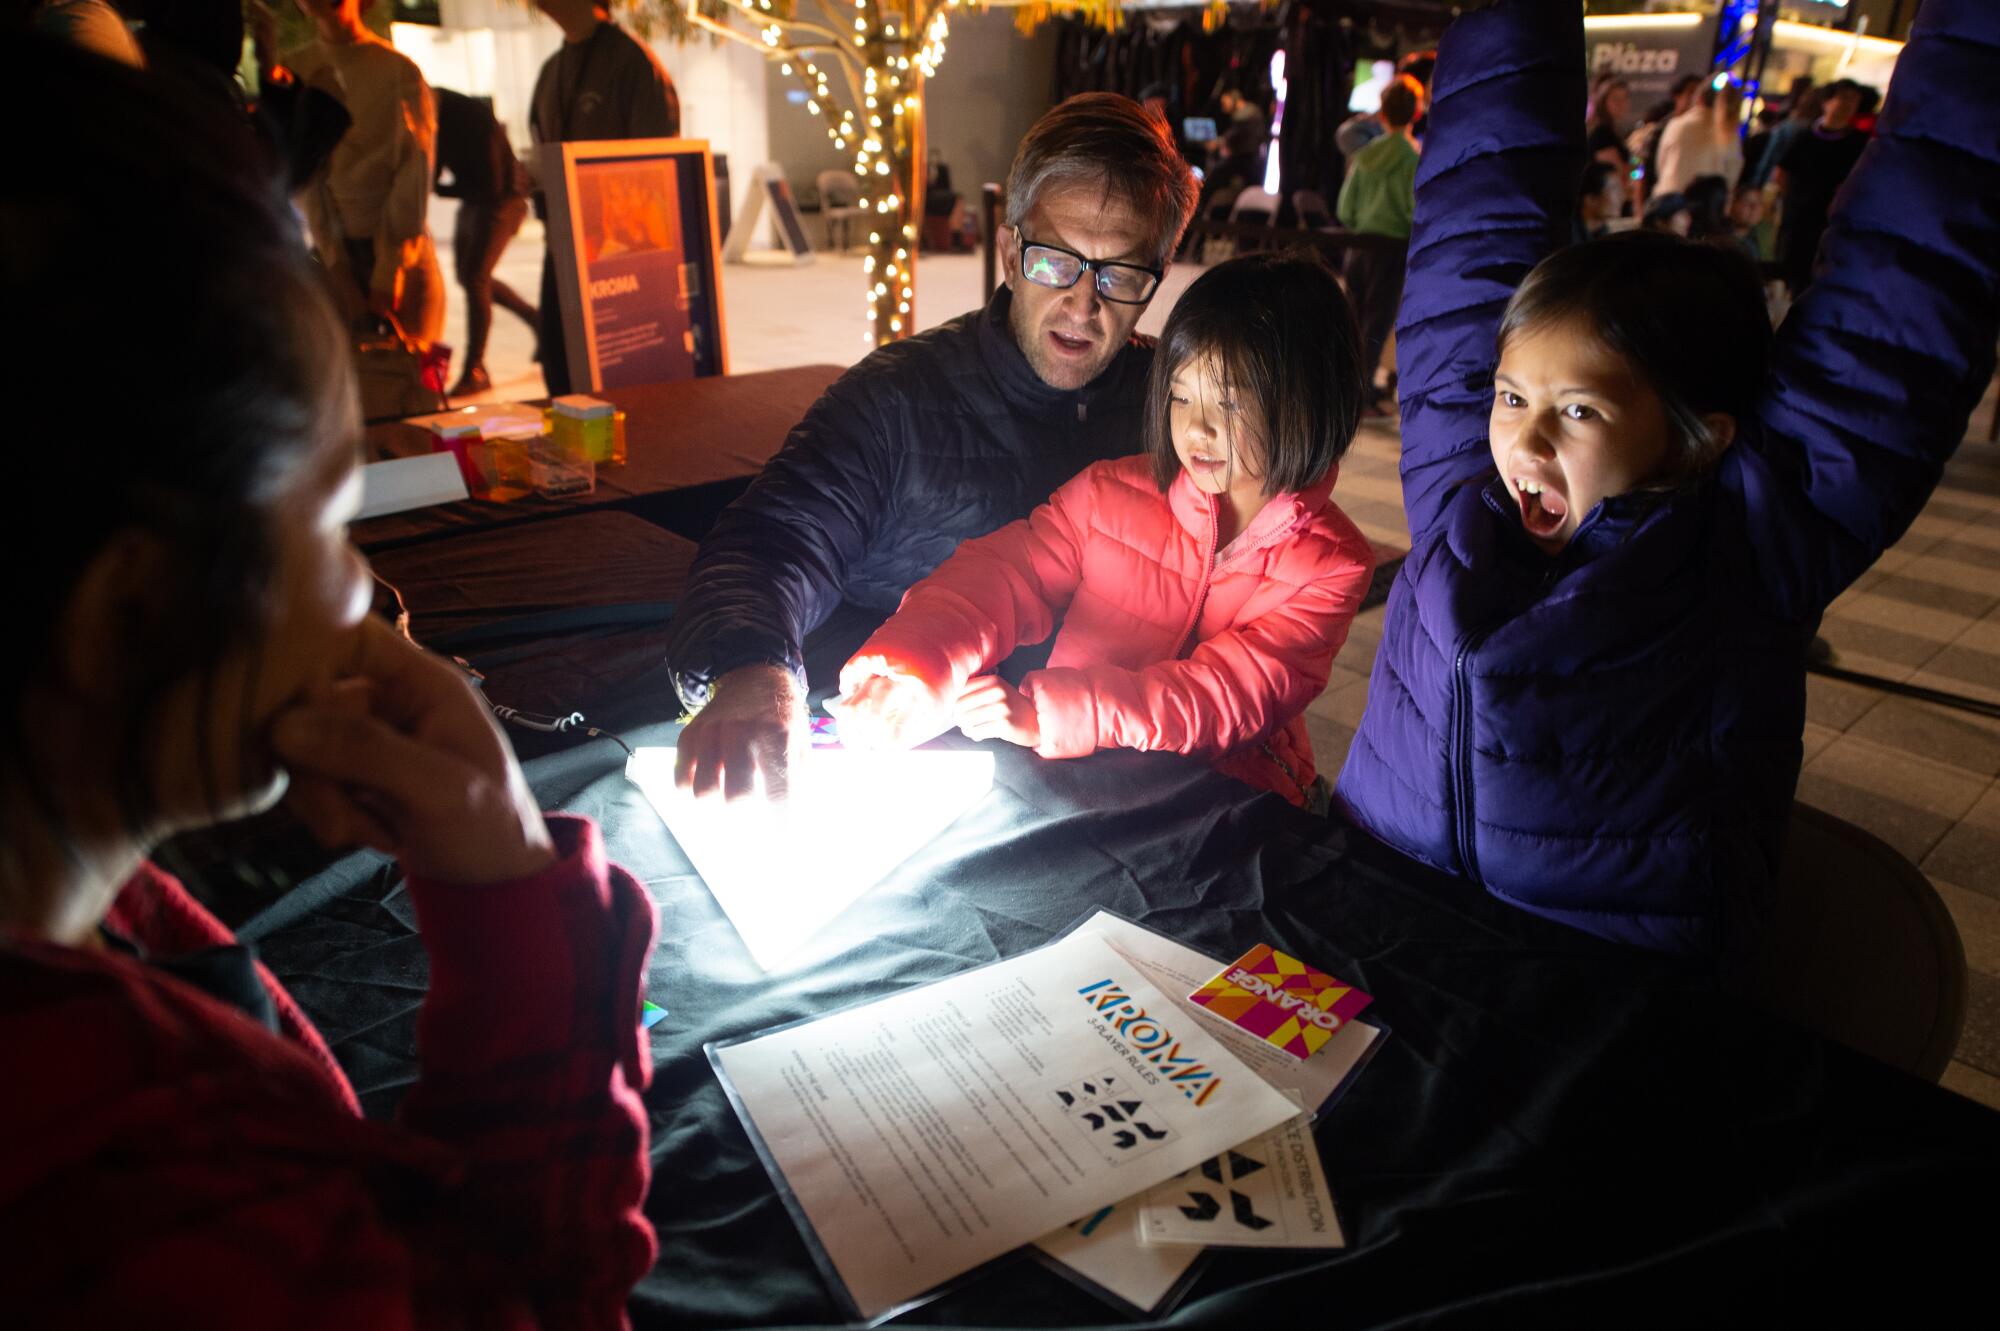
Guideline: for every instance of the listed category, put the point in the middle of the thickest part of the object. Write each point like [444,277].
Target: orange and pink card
[1281,1000]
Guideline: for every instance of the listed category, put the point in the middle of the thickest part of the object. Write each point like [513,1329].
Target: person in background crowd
[302,124]
[1364,127]
[1759,143]
[1377,199]
[1746,222]
[1604,121]
[1237,109]
[1669,213]
[1704,140]
[1601,198]
[1806,105]
[603,84]
[1357,132]
[492,192]
[1708,209]
[1866,106]
[1810,174]
[932,440]
[200,43]
[178,1147]
[1159,99]
[368,206]
[1237,152]
[1420,65]
[1644,142]
[89,25]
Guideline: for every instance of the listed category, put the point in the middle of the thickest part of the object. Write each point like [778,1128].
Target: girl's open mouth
[1542,510]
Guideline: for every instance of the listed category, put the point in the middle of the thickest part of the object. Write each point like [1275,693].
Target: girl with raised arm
[1629,506]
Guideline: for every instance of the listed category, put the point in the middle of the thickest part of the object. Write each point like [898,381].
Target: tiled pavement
[1920,776]
[1926,778]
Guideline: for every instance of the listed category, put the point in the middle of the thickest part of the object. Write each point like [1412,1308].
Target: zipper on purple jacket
[1461,755]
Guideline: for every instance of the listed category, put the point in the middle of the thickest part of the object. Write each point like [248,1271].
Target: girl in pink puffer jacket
[1203,587]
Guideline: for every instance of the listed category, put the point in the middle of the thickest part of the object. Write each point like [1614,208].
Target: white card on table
[1105,1249]
[1266,1193]
[401,484]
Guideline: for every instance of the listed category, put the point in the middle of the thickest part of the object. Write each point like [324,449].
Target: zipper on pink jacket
[1207,576]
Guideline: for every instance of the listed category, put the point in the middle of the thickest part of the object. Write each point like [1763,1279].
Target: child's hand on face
[991,708]
[402,756]
[880,707]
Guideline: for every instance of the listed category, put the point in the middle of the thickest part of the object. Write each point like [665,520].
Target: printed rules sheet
[924,1134]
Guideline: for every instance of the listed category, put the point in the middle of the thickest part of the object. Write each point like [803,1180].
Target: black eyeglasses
[1120,283]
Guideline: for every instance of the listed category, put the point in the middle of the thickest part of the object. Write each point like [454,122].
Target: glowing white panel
[782,872]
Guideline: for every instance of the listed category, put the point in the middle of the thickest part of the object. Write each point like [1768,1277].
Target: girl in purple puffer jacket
[1629,505]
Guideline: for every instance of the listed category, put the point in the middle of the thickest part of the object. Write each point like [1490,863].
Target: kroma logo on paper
[1151,1041]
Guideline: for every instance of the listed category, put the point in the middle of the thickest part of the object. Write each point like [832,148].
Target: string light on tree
[881,52]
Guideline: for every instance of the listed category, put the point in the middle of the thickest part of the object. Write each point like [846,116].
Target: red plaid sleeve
[166,1161]
[533,1064]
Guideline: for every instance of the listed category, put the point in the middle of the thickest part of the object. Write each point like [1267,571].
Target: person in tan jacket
[367,207]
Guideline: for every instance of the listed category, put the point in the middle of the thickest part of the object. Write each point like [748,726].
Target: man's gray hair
[1104,141]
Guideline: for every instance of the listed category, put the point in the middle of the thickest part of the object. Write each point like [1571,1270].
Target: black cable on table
[554,725]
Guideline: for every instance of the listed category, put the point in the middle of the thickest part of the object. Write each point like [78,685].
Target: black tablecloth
[1557,1132]
[558,616]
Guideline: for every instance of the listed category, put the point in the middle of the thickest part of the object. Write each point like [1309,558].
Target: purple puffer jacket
[1611,737]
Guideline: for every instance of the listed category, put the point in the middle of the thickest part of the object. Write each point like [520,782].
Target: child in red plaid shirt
[190,640]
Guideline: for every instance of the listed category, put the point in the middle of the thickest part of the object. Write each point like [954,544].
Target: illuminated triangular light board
[782,872]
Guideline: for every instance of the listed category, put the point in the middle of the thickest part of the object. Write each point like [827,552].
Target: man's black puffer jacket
[926,443]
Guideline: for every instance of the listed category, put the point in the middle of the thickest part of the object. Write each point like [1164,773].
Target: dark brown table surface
[691,447]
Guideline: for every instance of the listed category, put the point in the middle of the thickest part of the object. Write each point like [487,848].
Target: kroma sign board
[633,235]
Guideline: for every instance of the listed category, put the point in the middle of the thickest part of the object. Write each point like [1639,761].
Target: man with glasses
[933,440]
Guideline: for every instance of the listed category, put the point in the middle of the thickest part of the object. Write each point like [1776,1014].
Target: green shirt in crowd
[1380,192]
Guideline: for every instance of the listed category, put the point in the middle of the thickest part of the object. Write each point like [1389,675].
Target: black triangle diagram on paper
[1246,1216]
[1147,1131]
[1211,1169]
[1242,1166]
[1205,1207]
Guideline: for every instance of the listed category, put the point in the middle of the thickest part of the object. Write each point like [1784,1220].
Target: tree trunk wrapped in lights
[862,64]
[890,162]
